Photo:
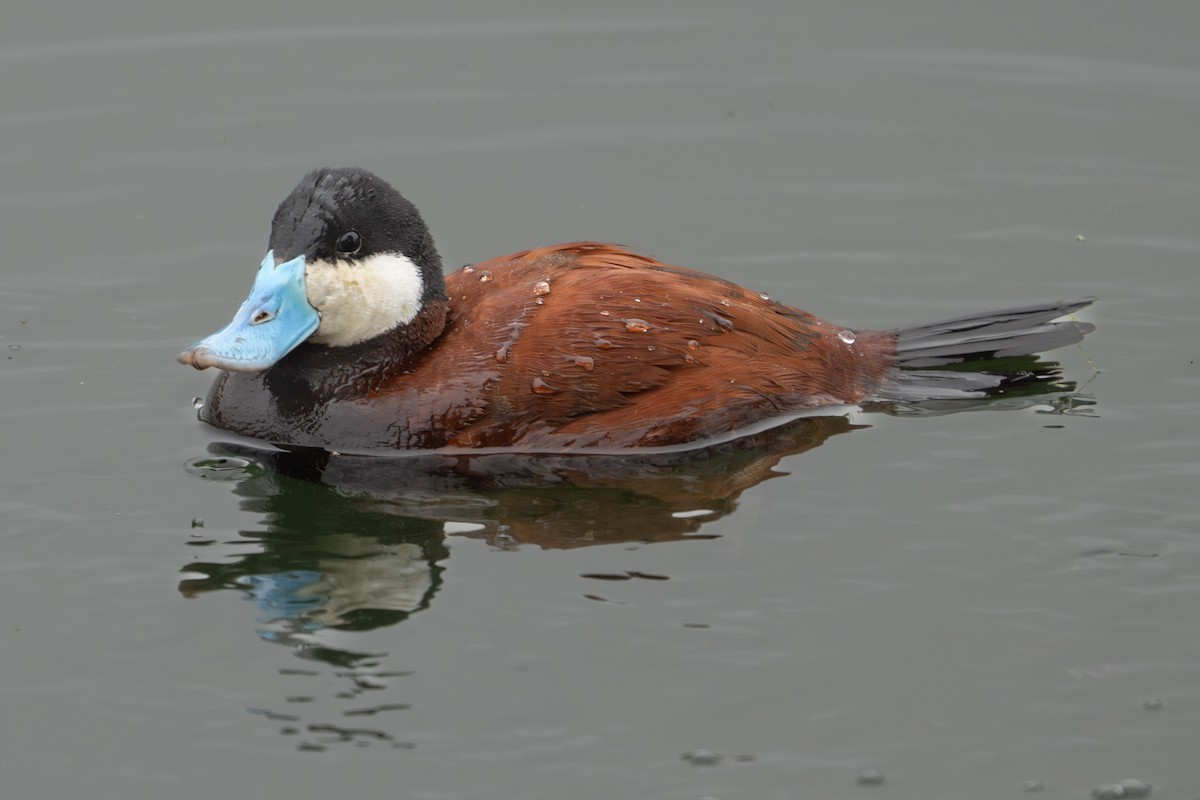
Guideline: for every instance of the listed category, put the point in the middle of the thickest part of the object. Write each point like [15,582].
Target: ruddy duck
[352,339]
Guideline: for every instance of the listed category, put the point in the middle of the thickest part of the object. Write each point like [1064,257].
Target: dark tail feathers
[989,338]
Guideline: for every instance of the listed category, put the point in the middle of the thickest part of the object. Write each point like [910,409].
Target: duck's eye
[348,243]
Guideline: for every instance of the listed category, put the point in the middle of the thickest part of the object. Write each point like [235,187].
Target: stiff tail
[981,355]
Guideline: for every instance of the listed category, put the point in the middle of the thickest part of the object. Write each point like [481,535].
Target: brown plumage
[623,351]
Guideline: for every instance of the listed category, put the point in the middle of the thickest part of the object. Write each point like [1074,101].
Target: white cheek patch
[360,300]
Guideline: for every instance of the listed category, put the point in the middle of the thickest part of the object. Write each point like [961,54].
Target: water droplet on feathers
[587,363]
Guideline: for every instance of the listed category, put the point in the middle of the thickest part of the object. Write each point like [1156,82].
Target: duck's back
[590,345]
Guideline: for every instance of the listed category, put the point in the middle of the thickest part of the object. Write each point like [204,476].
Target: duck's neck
[313,373]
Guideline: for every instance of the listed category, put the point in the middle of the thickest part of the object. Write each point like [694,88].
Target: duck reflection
[356,542]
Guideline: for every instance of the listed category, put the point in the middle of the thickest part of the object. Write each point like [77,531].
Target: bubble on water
[848,337]
[634,325]
[693,344]
[197,403]
[1107,791]
[485,276]
[1152,704]
[587,363]
[764,296]
[468,268]
[539,386]
[1032,787]
[605,314]
[603,344]
[870,777]
[223,468]
[197,522]
[1134,788]
[502,353]
[702,758]
[541,287]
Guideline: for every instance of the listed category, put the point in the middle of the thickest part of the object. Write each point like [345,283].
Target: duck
[353,339]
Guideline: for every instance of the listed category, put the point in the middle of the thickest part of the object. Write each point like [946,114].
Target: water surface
[963,602]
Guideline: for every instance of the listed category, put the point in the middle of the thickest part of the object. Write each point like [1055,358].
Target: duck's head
[349,260]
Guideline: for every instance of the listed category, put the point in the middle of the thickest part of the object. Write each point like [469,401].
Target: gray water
[964,603]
